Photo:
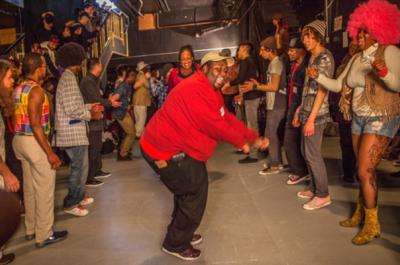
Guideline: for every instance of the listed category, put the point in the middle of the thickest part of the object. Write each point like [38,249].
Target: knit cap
[319,26]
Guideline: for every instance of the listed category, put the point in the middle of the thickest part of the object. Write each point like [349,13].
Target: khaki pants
[129,129]
[39,185]
[140,118]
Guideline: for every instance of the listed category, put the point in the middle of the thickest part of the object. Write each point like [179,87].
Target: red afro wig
[380,18]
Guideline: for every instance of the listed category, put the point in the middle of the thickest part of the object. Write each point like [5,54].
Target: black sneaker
[56,237]
[7,259]
[124,158]
[248,160]
[102,175]
[94,183]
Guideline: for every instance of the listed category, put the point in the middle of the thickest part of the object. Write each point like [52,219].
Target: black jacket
[90,89]
[247,71]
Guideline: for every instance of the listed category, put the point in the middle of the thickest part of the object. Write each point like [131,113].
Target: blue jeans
[79,170]
[374,125]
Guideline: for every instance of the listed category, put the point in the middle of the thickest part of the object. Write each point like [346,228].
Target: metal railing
[113,27]
[17,49]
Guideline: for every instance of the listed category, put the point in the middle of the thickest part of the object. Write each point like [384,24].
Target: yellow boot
[357,216]
[371,228]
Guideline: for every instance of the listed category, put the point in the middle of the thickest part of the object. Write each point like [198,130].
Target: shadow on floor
[384,178]
[215,176]
[164,259]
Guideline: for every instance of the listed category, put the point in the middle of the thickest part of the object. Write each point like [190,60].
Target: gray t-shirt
[277,100]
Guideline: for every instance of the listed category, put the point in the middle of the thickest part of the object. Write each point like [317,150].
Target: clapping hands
[247,86]
[312,72]
[96,111]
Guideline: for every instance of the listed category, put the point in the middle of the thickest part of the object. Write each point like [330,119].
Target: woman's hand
[379,65]
[11,182]
[309,128]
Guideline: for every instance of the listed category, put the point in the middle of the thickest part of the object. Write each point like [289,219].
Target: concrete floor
[249,220]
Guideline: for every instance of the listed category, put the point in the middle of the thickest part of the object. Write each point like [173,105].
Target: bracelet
[254,87]
[383,72]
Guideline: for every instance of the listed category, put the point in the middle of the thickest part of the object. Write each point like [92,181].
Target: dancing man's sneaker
[188,254]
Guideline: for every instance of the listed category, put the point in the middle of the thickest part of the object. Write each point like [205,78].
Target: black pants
[295,159]
[188,181]
[349,160]
[228,101]
[95,163]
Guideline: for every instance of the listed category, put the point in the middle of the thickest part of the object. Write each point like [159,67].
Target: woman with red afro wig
[370,86]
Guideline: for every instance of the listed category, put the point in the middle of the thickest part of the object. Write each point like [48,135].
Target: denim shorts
[373,125]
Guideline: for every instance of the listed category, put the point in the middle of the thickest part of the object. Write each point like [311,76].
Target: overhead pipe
[166,5]
[137,11]
[224,23]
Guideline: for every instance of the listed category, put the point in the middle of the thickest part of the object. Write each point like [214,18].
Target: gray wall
[162,45]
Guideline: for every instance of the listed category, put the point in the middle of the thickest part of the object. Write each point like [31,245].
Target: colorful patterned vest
[22,124]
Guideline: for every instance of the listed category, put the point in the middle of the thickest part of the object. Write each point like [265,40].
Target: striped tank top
[22,123]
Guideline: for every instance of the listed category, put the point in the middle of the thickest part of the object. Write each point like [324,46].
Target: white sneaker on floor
[317,203]
[269,171]
[77,211]
[305,194]
[280,166]
[87,201]
[294,179]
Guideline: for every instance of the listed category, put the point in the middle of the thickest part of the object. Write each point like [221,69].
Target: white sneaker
[77,211]
[317,203]
[269,171]
[294,179]
[305,194]
[280,166]
[87,201]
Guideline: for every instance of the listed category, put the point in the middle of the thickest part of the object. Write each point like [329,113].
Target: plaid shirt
[72,114]
[159,91]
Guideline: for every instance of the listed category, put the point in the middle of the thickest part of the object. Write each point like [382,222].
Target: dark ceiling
[156,6]
[224,8]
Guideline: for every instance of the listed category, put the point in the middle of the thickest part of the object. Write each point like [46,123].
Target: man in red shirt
[181,137]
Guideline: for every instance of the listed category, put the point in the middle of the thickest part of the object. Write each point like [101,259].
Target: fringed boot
[371,228]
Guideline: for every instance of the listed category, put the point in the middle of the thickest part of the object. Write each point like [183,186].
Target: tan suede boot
[357,216]
[371,228]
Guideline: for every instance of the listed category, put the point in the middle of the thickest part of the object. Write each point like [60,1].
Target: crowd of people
[52,115]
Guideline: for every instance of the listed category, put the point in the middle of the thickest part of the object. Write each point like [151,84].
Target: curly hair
[70,54]
[380,18]
[6,101]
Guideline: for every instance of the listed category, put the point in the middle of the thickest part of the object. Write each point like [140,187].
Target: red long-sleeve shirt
[192,120]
